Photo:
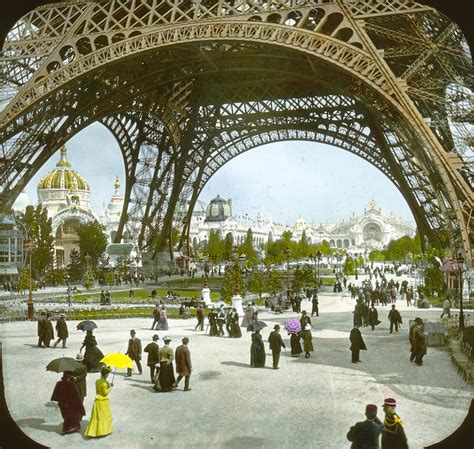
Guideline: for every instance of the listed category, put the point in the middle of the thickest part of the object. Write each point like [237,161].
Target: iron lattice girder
[93,35]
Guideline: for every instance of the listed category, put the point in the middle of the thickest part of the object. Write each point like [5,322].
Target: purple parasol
[293,326]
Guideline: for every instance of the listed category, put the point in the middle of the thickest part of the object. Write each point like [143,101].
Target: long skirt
[72,418]
[236,332]
[296,348]
[101,418]
[257,356]
[162,324]
[213,329]
[166,377]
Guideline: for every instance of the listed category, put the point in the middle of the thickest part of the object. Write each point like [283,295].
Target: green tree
[233,282]
[74,268]
[376,255]
[303,248]
[89,278]
[55,277]
[248,249]
[110,278]
[273,281]
[39,228]
[23,279]
[92,241]
[257,283]
[398,249]
[228,247]
[349,266]
[215,247]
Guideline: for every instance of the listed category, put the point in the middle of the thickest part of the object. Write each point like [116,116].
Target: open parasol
[117,360]
[63,364]
[86,325]
[293,326]
[256,325]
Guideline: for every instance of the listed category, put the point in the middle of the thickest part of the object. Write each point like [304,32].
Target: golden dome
[63,178]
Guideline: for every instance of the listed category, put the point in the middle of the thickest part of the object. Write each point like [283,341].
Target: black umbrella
[86,326]
[256,325]
[63,364]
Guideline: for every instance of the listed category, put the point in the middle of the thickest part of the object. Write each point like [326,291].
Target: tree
[40,230]
[214,247]
[303,246]
[376,255]
[23,279]
[228,247]
[109,278]
[256,282]
[273,281]
[92,241]
[55,277]
[74,267]
[89,278]
[233,282]
[248,249]
[349,266]
[398,249]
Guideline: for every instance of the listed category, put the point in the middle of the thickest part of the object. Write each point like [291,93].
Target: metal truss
[184,86]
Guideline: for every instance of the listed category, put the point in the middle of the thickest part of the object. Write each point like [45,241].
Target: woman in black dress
[296,348]
[93,354]
[257,351]
[236,332]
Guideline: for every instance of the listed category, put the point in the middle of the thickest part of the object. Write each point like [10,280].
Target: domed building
[65,194]
[218,210]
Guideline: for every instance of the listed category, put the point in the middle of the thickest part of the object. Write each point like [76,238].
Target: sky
[289,180]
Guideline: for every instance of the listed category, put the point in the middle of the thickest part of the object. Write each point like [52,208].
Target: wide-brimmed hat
[156,337]
[418,320]
[166,338]
[390,402]
[276,327]
[79,356]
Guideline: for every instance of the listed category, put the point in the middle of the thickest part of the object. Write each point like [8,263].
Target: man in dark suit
[365,434]
[276,343]
[395,318]
[61,330]
[357,343]
[183,364]
[315,302]
[134,351]
[153,351]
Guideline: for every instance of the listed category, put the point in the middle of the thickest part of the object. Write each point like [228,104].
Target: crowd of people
[167,367]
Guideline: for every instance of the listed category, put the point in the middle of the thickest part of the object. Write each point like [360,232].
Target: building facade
[373,229]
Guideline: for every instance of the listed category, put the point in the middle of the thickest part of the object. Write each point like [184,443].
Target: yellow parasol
[117,360]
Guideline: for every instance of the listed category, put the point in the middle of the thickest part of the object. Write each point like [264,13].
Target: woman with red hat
[393,436]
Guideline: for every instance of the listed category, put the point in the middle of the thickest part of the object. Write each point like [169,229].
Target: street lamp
[29,246]
[287,253]
[460,262]
[317,260]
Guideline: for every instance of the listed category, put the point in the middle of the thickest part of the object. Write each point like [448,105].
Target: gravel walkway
[306,403]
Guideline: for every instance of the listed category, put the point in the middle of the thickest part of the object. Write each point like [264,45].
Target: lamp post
[460,262]
[317,259]
[287,253]
[29,246]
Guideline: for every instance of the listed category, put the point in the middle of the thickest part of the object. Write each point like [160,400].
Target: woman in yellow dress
[100,423]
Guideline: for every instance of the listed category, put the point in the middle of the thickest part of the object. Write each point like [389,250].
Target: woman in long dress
[212,317]
[67,396]
[93,354]
[307,340]
[248,317]
[236,332]
[165,378]
[163,321]
[257,351]
[100,423]
[296,348]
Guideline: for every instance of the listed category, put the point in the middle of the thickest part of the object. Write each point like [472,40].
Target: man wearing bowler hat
[61,329]
[393,436]
[276,343]
[134,351]
[365,434]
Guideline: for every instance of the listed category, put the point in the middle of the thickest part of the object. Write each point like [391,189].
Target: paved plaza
[306,403]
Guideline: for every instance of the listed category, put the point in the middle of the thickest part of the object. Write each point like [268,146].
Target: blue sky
[319,183]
